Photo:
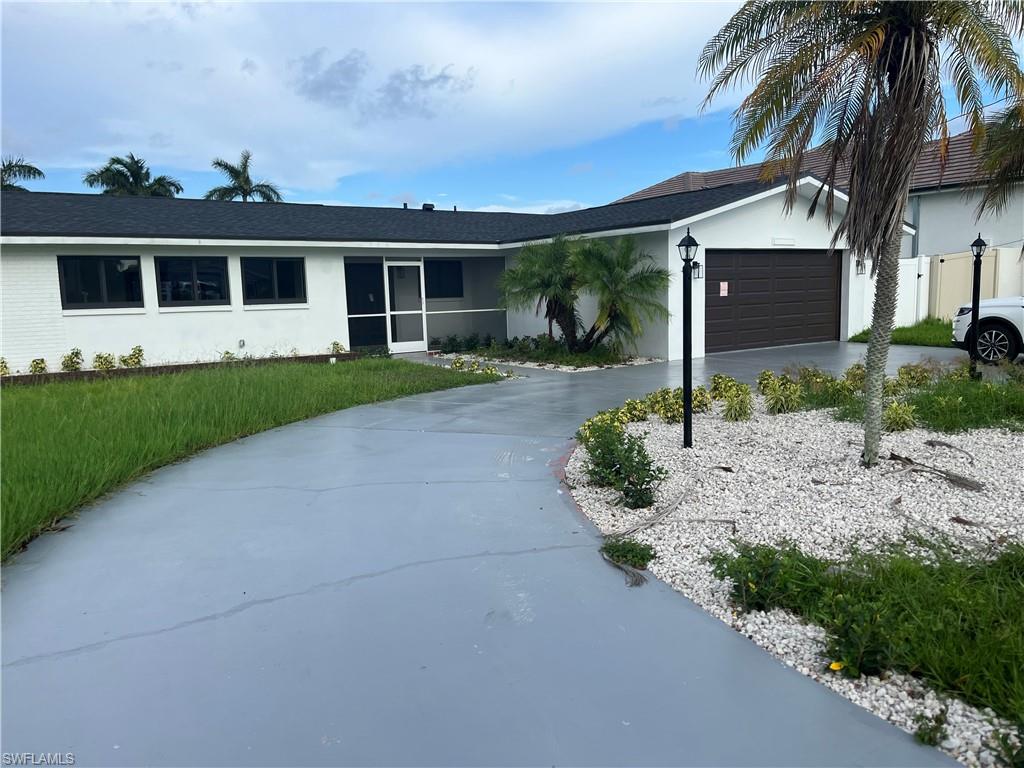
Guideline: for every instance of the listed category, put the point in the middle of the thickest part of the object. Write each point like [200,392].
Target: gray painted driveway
[398,584]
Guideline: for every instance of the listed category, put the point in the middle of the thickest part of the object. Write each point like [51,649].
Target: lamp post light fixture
[978,249]
[691,269]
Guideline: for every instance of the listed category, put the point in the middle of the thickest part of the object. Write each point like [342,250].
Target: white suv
[1001,324]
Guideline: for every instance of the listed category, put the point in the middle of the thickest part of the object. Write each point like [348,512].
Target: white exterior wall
[948,222]
[35,325]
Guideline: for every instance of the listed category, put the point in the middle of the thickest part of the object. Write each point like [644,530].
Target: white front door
[407,320]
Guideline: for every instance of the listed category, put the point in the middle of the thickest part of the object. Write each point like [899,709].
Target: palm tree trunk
[883,313]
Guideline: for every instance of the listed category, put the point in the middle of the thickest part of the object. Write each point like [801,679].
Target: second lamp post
[691,270]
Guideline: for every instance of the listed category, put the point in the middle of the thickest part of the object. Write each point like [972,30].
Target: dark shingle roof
[57,214]
[961,164]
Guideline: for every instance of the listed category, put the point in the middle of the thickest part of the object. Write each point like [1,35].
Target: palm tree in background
[862,77]
[628,287]
[131,176]
[1002,158]
[15,169]
[240,183]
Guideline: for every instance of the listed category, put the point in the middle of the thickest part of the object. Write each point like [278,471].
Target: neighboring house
[935,274]
[190,279]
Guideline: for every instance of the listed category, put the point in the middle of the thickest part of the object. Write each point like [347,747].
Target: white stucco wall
[948,225]
[35,325]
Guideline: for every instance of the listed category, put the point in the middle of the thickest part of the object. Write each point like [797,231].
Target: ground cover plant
[629,552]
[955,621]
[67,443]
[930,332]
[530,349]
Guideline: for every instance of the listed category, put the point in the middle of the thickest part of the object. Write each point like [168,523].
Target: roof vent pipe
[428,206]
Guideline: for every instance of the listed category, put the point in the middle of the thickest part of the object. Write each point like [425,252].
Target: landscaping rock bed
[797,478]
[548,366]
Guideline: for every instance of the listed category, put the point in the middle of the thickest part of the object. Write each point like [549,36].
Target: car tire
[997,342]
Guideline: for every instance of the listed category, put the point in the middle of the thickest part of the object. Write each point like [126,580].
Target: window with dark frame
[187,281]
[99,282]
[442,278]
[273,281]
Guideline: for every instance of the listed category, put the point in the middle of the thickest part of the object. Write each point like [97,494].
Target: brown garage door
[770,298]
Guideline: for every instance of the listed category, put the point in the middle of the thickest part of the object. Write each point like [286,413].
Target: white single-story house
[189,280]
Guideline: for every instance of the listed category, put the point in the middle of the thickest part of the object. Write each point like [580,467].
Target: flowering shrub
[103,361]
[227,356]
[37,366]
[133,359]
[490,370]
[474,366]
[458,363]
[899,416]
[739,403]
[337,348]
[4,370]
[72,361]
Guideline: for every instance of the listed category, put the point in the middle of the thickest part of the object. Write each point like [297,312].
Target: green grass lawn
[930,332]
[67,443]
[959,624]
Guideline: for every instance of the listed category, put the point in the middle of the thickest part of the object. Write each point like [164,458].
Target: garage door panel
[774,297]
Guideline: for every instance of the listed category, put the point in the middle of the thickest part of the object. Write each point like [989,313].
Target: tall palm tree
[1002,158]
[240,183]
[131,176]
[15,169]
[863,78]
[628,286]
[544,278]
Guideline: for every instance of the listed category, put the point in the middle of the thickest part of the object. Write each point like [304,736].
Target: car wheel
[996,343]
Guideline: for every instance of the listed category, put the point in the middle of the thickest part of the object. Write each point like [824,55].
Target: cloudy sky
[482,105]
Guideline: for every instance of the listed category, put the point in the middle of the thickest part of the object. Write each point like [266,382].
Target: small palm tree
[863,78]
[1002,158]
[15,169]
[131,176]
[543,278]
[628,286]
[241,183]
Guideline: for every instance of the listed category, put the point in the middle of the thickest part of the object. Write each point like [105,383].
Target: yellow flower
[835,666]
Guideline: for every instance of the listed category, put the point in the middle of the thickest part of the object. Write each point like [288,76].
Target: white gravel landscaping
[548,366]
[797,477]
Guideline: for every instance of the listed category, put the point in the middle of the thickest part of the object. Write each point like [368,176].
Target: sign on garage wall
[723,288]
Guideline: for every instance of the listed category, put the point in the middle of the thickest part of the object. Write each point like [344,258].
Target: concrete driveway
[398,584]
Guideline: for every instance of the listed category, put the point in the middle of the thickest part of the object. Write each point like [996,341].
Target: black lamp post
[978,249]
[691,269]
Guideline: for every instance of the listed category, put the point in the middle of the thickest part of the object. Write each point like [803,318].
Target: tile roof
[929,174]
[58,214]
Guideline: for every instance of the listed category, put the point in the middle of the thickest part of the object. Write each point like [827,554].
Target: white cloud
[538,206]
[339,88]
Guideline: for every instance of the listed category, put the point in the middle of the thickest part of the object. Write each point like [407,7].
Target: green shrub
[471,342]
[915,375]
[451,344]
[490,370]
[667,403]
[474,366]
[764,380]
[458,363]
[72,361]
[739,403]
[337,348]
[4,370]
[931,730]
[629,552]
[227,356]
[898,416]
[37,366]
[782,395]
[856,376]
[702,400]
[133,359]
[957,622]
[103,361]
[635,410]
[722,385]
[619,460]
